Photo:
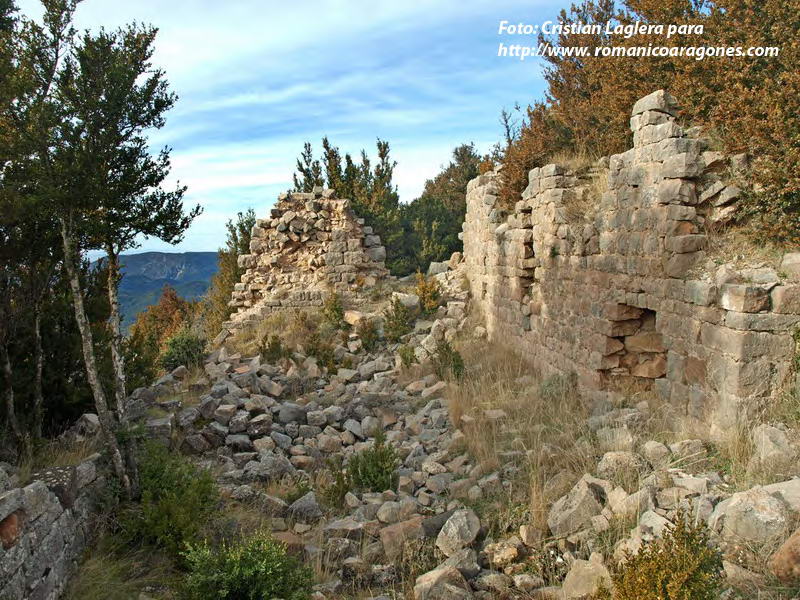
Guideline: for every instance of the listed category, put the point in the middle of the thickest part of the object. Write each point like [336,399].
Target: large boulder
[622,465]
[443,583]
[574,511]
[785,563]
[771,450]
[306,508]
[753,516]
[458,532]
[393,537]
[586,577]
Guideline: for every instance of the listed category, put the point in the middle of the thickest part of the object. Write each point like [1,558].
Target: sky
[258,78]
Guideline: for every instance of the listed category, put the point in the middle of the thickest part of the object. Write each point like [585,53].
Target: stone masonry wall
[603,276]
[44,528]
[312,244]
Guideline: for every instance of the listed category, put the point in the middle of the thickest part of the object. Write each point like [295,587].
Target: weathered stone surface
[444,583]
[785,562]
[771,450]
[306,508]
[586,577]
[574,511]
[459,531]
[394,536]
[752,516]
[621,464]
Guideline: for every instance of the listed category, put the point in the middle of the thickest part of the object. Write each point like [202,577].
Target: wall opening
[636,350]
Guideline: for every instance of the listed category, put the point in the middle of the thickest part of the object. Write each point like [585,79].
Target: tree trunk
[11,413]
[118,360]
[117,357]
[106,418]
[38,399]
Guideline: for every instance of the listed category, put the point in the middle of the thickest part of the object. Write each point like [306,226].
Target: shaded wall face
[604,274]
[44,529]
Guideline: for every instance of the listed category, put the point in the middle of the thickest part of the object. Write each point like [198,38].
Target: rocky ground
[274,434]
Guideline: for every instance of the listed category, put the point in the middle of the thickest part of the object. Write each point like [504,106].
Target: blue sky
[256,79]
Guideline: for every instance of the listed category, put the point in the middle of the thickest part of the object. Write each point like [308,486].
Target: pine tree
[215,305]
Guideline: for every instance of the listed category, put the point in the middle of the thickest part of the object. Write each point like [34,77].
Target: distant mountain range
[146,274]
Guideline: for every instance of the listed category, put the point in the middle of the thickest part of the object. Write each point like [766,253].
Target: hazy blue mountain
[145,274]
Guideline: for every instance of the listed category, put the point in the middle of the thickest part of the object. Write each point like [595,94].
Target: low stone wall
[312,244]
[44,528]
[603,275]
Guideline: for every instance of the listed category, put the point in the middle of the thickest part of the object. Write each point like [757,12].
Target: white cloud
[257,78]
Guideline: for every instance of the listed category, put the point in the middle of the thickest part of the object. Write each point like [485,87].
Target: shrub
[333,311]
[399,321]
[271,349]
[375,469]
[333,491]
[320,349]
[679,566]
[429,292]
[407,356]
[447,361]
[256,568]
[368,333]
[184,348]
[177,501]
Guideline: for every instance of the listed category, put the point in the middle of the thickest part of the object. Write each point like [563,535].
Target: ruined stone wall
[606,275]
[312,244]
[44,529]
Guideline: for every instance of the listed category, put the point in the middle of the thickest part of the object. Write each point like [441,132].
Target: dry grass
[734,246]
[546,422]
[56,453]
[291,326]
[108,573]
[572,160]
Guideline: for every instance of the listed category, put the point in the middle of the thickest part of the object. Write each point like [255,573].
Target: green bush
[399,321]
[375,469]
[256,568]
[272,349]
[184,348]
[333,491]
[178,499]
[679,566]
[447,361]
[333,311]
[407,356]
[429,292]
[368,333]
[320,349]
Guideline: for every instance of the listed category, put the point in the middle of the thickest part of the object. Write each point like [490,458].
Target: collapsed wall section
[311,245]
[602,275]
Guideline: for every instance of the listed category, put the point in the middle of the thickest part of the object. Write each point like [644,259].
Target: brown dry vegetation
[750,104]
[547,425]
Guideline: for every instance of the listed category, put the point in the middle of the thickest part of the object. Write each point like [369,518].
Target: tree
[370,189]
[434,219]
[215,305]
[110,87]
[79,110]
[309,172]
[160,321]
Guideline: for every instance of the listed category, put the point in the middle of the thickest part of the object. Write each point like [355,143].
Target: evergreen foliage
[215,309]
[178,499]
[254,568]
[681,565]
[375,469]
[414,234]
